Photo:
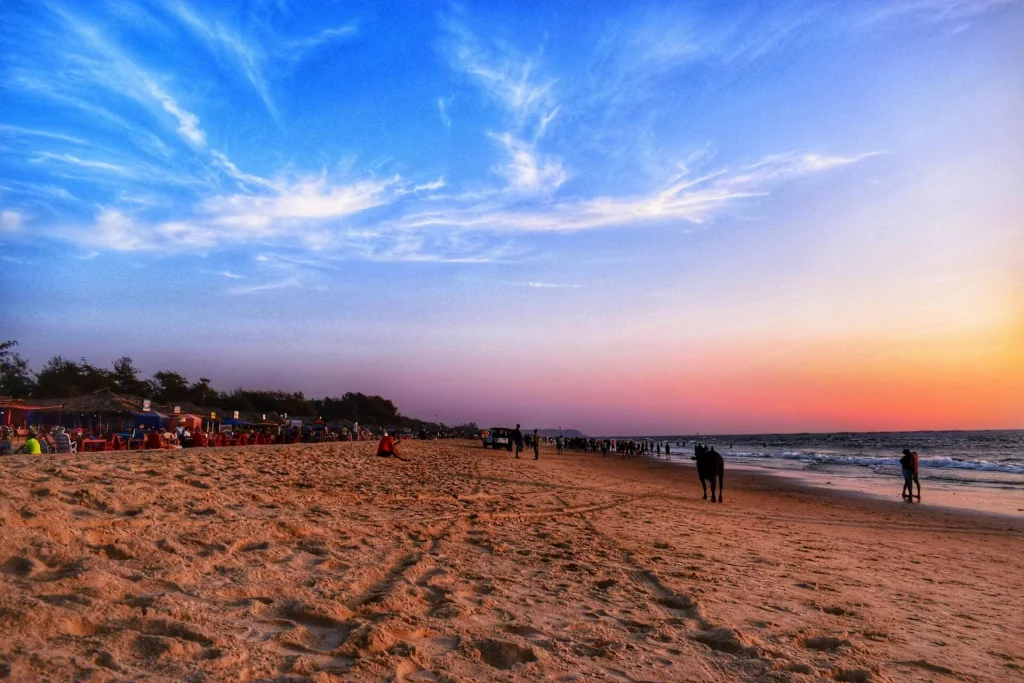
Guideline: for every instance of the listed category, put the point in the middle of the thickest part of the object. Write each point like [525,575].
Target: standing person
[517,440]
[558,444]
[911,474]
[536,445]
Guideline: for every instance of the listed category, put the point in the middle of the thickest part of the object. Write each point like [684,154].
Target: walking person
[517,439]
[536,445]
[558,444]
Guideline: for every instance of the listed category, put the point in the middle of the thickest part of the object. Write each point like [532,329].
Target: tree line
[62,377]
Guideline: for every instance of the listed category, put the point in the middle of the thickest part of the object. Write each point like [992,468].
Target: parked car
[498,437]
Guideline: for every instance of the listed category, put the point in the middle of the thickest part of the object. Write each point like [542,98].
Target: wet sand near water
[323,563]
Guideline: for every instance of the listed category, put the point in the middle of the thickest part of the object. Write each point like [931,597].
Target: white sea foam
[932,462]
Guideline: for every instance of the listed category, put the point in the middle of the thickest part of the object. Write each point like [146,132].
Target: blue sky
[428,200]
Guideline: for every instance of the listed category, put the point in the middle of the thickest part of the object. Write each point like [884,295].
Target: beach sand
[323,563]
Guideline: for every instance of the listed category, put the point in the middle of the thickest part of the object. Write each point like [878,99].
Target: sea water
[979,458]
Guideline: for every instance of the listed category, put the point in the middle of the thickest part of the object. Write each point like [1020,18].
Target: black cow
[710,466]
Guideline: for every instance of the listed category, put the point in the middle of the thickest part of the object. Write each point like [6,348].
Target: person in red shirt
[154,440]
[386,448]
[261,438]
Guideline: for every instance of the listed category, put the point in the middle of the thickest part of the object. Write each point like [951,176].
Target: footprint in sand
[504,655]
[825,643]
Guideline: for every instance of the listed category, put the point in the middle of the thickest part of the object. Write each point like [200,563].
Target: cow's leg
[704,486]
[721,484]
[713,500]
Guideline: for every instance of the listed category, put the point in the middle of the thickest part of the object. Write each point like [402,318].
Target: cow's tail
[721,475]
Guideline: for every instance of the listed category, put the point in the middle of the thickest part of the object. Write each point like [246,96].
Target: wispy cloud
[227,274]
[188,123]
[526,170]
[232,170]
[6,129]
[508,77]
[247,56]
[546,285]
[105,64]
[286,283]
[298,48]
[442,110]
[935,11]
[84,163]
[11,220]
[687,199]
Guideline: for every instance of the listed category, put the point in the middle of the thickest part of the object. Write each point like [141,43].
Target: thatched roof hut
[102,401]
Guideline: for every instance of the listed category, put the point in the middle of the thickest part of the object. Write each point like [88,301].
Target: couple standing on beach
[911,474]
[517,439]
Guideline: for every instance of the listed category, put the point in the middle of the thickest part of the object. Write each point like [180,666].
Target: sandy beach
[323,563]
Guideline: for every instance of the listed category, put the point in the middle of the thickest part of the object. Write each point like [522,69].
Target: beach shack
[109,411]
[18,414]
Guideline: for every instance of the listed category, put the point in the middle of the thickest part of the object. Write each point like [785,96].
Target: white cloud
[527,171]
[304,198]
[116,231]
[11,221]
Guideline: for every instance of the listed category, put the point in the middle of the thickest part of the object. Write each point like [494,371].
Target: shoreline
[321,563]
[968,497]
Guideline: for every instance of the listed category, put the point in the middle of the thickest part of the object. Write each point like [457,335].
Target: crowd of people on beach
[626,448]
[44,439]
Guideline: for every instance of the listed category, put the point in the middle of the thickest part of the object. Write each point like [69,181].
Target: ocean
[987,458]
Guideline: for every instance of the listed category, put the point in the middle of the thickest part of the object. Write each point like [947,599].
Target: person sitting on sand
[386,448]
[911,474]
[31,445]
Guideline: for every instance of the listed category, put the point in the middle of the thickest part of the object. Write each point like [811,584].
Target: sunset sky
[619,217]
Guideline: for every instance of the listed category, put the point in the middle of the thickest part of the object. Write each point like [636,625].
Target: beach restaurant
[19,413]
